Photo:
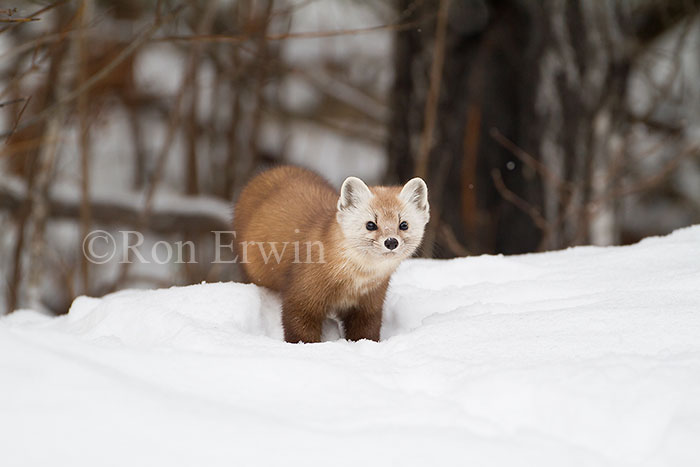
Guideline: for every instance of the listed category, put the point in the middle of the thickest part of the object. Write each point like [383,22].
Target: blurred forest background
[538,124]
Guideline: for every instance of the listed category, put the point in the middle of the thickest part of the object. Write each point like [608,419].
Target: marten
[328,254]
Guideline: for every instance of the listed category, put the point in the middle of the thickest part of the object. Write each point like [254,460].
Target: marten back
[284,204]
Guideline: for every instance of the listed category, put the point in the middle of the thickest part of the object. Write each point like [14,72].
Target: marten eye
[403,225]
[371,226]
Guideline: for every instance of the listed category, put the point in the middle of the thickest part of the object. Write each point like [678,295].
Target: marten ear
[415,192]
[353,193]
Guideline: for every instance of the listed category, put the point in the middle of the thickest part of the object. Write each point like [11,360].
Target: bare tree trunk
[36,171]
[40,211]
[86,11]
[192,126]
[481,89]
[262,22]
[531,114]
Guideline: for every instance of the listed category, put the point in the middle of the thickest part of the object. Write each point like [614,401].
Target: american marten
[327,253]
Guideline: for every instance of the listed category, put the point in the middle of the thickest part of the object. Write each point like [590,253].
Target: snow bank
[589,356]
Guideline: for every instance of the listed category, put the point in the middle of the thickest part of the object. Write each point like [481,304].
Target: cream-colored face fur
[387,208]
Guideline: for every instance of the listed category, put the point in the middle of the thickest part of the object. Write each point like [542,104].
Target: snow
[588,356]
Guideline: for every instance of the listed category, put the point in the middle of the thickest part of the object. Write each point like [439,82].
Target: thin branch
[19,116]
[18,20]
[531,161]
[37,13]
[292,35]
[451,240]
[651,181]
[518,202]
[664,90]
[13,101]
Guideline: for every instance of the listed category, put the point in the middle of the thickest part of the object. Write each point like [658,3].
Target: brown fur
[290,204]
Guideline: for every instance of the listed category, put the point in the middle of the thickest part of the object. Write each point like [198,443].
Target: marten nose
[391,243]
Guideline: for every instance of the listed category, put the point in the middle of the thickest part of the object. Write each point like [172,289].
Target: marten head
[383,222]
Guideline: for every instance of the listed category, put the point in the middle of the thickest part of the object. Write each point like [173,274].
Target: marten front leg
[361,323]
[302,320]
[365,320]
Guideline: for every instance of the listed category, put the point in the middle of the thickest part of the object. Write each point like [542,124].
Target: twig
[667,86]
[651,181]
[35,43]
[451,240]
[19,116]
[37,13]
[517,201]
[13,101]
[18,20]
[531,161]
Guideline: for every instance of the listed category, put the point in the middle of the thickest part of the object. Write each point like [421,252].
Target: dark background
[537,124]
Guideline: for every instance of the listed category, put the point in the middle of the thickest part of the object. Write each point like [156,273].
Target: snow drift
[589,356]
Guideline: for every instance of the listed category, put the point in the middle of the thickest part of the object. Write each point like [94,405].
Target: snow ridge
[587,356]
